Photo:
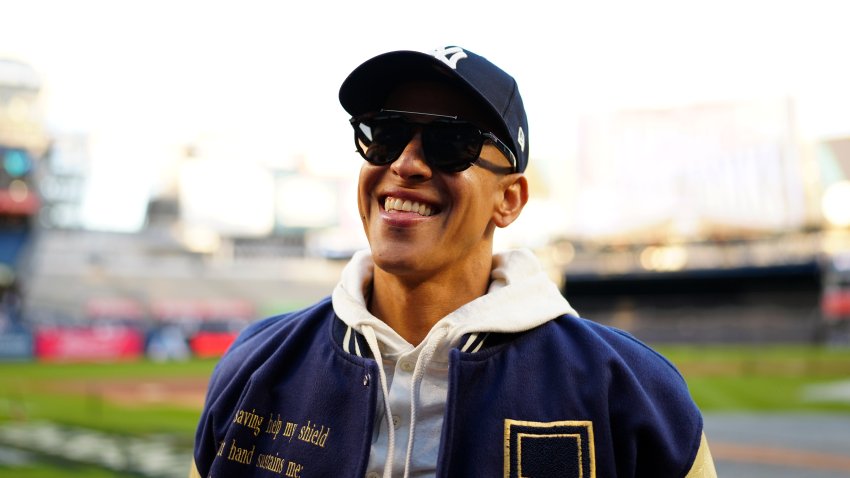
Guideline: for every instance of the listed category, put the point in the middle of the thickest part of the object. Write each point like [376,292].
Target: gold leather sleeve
[703,465]
[193,470]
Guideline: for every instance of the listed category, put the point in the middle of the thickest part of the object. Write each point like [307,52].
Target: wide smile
[398,205]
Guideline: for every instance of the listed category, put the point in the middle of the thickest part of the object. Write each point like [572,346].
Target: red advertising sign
[88,344]
[211,344]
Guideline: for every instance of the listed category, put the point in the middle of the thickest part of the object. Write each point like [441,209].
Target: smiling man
[435,357]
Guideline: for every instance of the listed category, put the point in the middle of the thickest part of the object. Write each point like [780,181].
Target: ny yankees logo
[443,55]
[520,138]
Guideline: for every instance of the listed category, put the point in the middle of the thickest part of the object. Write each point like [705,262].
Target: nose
[411,164]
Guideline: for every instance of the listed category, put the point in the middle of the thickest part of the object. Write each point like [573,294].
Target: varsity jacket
[301,395]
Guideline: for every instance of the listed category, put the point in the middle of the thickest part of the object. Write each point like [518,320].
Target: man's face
[451,221]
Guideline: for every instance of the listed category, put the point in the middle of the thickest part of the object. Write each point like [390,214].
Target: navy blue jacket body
[570,398]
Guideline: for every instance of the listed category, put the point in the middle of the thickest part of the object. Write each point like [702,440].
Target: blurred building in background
[62,180]
[23,143]
[702,222]
[722,204]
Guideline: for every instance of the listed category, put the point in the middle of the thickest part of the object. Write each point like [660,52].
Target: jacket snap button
[407,366]
[366,380]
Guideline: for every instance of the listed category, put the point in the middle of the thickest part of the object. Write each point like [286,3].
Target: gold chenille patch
[561,449]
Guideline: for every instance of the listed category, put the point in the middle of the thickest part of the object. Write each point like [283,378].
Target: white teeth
[395,204]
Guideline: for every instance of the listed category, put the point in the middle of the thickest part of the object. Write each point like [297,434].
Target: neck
[411,306]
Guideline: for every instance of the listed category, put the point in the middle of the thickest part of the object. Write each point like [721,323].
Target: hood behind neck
[520,297]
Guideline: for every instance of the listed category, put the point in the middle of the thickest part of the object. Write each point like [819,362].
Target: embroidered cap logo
[520,138]
[450,56]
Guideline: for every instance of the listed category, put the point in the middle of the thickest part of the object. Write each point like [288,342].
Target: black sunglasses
[450,145]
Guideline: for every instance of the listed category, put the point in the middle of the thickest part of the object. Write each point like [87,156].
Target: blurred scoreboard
[692,172]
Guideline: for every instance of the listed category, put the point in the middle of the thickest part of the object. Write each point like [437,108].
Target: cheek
[478,192]
[365,185]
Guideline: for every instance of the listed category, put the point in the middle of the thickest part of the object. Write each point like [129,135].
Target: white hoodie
[414,380]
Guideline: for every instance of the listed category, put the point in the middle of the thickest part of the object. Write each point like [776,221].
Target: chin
[398,264]
[395,263]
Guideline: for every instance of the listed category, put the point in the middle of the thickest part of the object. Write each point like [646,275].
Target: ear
[514,195]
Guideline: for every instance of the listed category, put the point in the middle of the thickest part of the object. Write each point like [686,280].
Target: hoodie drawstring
[425,358]
[437,336]
[369,333]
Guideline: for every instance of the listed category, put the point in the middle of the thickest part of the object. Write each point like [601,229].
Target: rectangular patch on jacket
[561,449]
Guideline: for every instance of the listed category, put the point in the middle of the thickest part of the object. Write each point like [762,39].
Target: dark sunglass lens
[382,154]
[386,139]
[452,148]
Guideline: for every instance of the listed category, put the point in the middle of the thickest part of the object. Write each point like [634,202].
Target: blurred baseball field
[138,418]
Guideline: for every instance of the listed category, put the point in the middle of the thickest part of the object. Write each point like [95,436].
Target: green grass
[760,379]
[98,414]
[28,391]
[720,378]
[59,470]
[32,391]
[17,371]
[736,378]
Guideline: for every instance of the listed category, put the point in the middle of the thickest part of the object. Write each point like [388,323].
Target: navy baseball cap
[367,87]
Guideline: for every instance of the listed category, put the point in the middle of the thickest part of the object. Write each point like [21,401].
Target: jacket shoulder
[649,400]
[650,409]
[257,342]
[611,346]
